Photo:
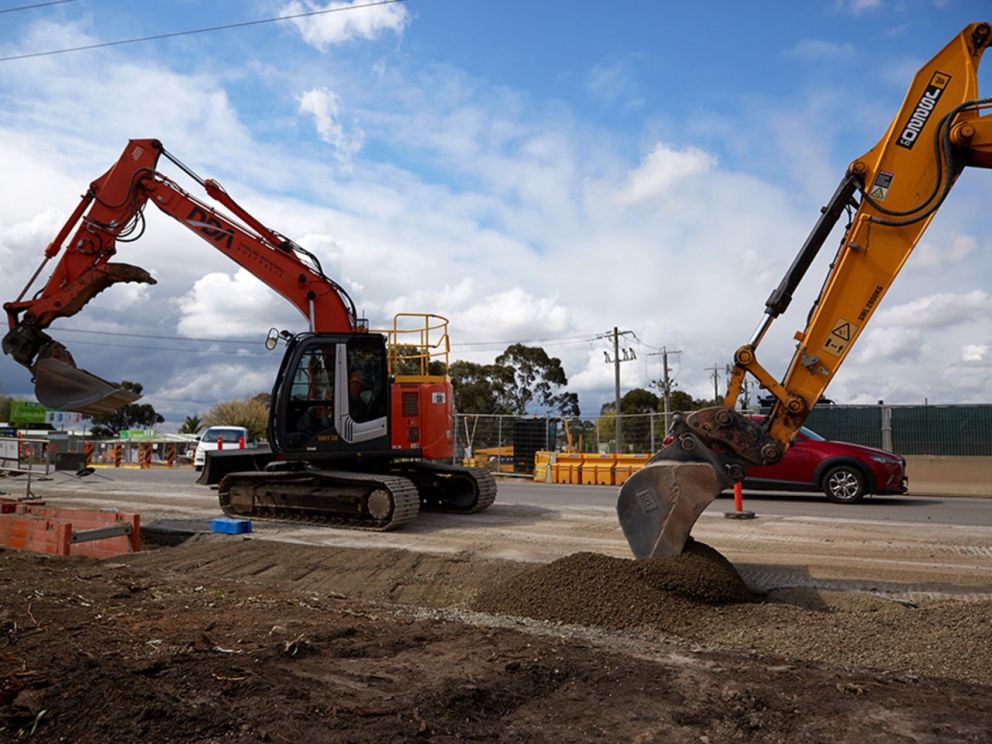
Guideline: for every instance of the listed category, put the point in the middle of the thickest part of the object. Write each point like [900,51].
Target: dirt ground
[226,639]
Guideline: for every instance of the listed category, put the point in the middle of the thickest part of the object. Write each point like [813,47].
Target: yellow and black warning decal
[841,335]
[880,188]
[923,110]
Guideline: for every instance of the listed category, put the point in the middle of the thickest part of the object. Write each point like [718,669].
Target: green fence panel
[942,430]
[854,424]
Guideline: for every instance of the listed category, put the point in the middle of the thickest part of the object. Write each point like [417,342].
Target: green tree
[410,360]
[682,401]
[253,414]
[5,407]
[535,378]
[191,425]
[636,407]
[131,416]
[477,387]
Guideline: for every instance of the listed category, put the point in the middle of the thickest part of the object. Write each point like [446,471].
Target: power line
[549,341]
[466,346]
[172,349]
[160,337]
[190,32]
[36,5]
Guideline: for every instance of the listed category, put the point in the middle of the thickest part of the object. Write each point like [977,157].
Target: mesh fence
[942,430]
[854,424]
[508,443]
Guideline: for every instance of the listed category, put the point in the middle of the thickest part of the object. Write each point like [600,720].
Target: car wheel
[844,484]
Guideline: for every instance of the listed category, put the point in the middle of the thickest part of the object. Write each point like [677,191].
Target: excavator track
[359,501]
[450,488]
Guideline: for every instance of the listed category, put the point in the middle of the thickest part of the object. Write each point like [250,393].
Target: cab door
[331,397]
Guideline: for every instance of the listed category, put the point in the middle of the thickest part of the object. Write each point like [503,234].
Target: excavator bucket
[60,384]
[659,504]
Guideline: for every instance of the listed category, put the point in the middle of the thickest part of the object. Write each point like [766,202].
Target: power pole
[628,356]
[715,369]
[666,384]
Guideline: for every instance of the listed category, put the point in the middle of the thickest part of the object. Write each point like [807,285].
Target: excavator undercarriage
[377,501]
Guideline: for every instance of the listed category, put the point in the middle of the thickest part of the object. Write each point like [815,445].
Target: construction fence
[58,451]
[509,443]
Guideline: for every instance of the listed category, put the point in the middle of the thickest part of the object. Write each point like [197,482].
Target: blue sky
[532,170]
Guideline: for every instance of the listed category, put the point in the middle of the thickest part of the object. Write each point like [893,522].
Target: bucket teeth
[659,504]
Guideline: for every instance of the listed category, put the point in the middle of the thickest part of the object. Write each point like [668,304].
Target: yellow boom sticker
[840,337]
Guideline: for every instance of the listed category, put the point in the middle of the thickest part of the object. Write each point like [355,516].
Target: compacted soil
[223,639]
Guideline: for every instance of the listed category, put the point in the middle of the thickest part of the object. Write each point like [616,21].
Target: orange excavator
[361,422]
[891,193]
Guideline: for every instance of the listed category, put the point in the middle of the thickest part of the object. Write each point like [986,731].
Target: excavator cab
[331,396]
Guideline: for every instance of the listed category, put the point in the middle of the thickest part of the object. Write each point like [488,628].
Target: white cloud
[857,7]
[937,310]
[972,353]
[662,170]
[350,22]
[322,105]
[208,383]
[890,344]
[614,82]
[232,306]
[929,255]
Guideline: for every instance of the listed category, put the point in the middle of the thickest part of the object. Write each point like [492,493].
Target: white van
[228,436]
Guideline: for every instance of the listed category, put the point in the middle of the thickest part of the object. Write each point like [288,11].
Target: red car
[844,472]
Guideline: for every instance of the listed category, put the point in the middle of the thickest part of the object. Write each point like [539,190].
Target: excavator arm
[894,190]
[111,212]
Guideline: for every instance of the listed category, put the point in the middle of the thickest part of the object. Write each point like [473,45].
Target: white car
[218,437]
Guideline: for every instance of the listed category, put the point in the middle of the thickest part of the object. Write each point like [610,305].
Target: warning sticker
[840,337]
[880,189]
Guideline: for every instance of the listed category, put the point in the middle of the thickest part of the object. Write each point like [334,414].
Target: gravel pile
[594,589]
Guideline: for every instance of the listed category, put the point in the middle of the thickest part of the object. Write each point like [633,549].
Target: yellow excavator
[893,191]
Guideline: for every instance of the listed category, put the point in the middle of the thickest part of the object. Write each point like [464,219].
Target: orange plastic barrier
[598,469]
[568,468]
[627,465]
[88,453]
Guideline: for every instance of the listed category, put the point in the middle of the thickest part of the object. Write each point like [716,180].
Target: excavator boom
[894,191]
[110,212]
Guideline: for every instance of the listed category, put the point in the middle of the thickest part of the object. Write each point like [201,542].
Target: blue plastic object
[230,526]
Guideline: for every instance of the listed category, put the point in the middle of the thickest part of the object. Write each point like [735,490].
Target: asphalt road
[960,511]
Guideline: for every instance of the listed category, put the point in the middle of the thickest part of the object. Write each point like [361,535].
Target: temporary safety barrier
[578,468]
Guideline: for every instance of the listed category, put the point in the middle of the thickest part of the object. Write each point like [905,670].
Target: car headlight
[885,459]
